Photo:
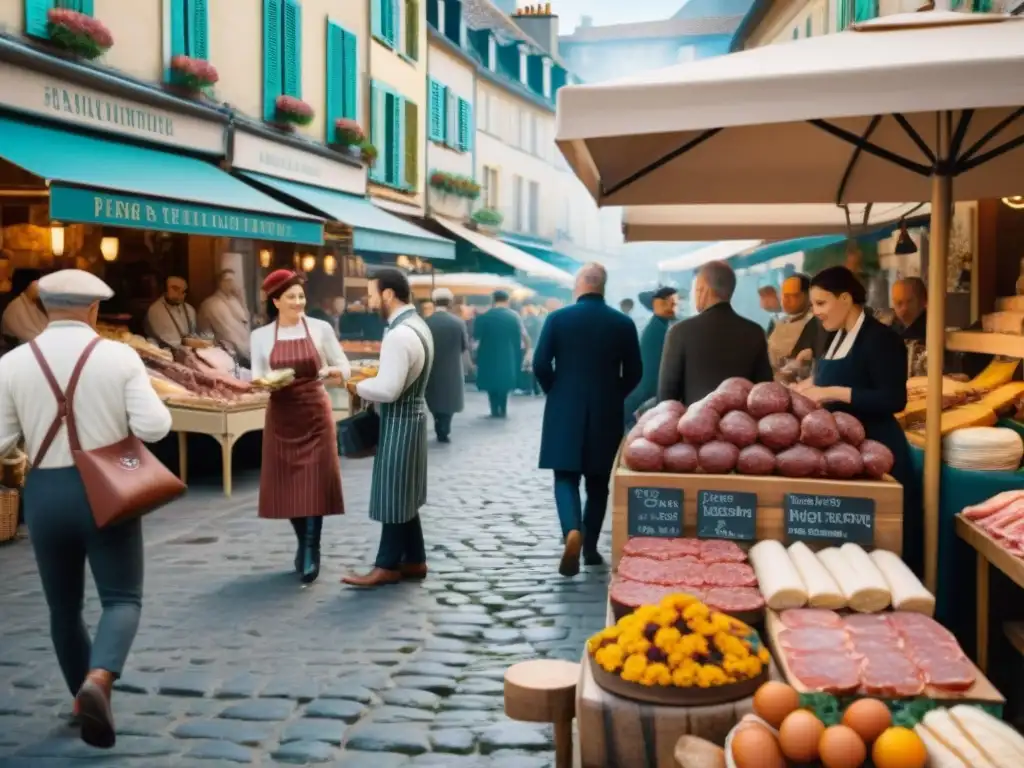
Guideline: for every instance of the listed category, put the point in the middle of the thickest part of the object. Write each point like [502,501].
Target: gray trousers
[64,535]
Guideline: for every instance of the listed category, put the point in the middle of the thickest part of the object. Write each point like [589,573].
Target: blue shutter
[350,105]
[863,10]
[436,112]
[377,18]
[35,17]
[292,27]
[271,56]
[465,126]
[335,88]
[198,30]
[396,24]
[81,6]
[178,47]
[396,139]
[378,132]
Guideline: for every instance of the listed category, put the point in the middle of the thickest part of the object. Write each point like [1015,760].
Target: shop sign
[840,519]
[86,206]
[726,515]
[655,512]
[252,153]
[27,91]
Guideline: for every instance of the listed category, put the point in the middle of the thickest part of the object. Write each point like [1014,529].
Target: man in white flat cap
[105,391]
[447,382]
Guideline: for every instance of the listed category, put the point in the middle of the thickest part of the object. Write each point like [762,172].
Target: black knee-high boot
[311,550]
[299,524]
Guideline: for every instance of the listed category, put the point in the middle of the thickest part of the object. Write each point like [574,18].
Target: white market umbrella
[893,109]
[688,223]
[700,257]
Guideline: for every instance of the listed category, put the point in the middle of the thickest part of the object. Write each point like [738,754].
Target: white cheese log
[945,730]
[822,589]
[1002,745]
[908,593]
[860,580]
[778,578]
[939,755]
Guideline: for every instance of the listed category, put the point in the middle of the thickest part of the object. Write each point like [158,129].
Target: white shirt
[114,396]
[170,322]
[228,320]
[23,319]
[326,343]
[402,358]
[847,344]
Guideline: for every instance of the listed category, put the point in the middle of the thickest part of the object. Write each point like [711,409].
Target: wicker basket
[8,514]
[12,469]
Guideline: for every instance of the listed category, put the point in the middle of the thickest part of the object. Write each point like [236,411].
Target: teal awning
[95,181]
[544,252]
[374,231]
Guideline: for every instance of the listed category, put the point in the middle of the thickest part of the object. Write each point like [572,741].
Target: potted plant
[486,218]
[368,151]
[467,187]
[193,74]
[348,133]
[290,111]
[440,181]
[77,33]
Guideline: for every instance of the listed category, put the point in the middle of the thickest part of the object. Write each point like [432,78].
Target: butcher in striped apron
[399,483]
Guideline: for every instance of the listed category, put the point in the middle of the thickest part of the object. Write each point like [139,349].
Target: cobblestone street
[237,663]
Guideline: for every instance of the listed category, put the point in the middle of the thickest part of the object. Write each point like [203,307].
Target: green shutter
[350,105]
[386,22]
[292,28]
[335,88]
[863,10]
[395,139]
[271,56]
[412,29]
[35,17]
[376,17]
[81,6]
[807,27]
[465,126]
[411,155]
[178,47]
[396,22]
[378,131]
[198,30]
[435,115]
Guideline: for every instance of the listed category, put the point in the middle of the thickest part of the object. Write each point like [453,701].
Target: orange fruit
[899,748]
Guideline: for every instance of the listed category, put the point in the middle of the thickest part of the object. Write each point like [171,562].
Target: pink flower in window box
[77,33]
[348,132]
[193,73]
[293,111]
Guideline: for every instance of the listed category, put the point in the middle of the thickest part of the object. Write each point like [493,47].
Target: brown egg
[774,701]
[841,747]
[754,746]
[799,736]
[868,717]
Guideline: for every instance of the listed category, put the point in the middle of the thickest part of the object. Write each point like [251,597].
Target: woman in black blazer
[864,373]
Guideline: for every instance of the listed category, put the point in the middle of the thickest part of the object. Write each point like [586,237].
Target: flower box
[290,111]
[487,218]
[77,33]
[348,133]
[452,184]
[194,74]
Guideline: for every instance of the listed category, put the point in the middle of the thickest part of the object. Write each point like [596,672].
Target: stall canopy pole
[938,248]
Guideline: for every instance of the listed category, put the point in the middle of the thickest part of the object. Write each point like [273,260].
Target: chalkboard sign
[655,512]
[727,515]
[839,519]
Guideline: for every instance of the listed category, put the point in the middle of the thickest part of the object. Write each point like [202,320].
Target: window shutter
[292,48]
[335,87]
[377,17]
[198,30]
[411,177]
[378,132]
[388,20]
[81,6]
[350,106]
[396,23]
[35,17]
[178,47]
[451,114]
[412,29]
[396,139]
[271,56]
[465,126]
[863,10]
[436,112]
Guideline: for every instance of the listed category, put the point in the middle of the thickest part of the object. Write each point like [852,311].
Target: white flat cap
[72,288]
[442,294]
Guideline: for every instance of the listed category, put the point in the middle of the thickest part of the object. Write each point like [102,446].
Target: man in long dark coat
[587,361]
[652,340]
[445,388]
[501,335]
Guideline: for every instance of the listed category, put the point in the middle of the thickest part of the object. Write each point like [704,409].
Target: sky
[611,11]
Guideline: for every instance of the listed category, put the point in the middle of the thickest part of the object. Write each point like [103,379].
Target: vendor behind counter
[797,333]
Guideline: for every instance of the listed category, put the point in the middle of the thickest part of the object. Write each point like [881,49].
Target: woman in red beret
[300,475]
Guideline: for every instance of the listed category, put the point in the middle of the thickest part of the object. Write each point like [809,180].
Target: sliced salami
[730,575]
[665,572]
[633,594]
[949,674]
[917,626]
[734,599]
[872,625]
[662,549]
[889,673]
[798,618]
[829,672]
[813,640]
[721,551]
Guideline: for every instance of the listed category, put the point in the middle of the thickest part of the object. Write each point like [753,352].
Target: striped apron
[399,486]
[300,475]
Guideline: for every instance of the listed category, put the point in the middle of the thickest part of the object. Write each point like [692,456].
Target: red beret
[280,280]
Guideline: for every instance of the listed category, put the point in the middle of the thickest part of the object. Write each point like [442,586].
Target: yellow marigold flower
[645,614]
[635,644]
[696,610]
[702,627]
[684,677]
[610,658]
[695,644]
[678,602]
[709,676]
[730,646]
[665,617]
[633,669]
[721,621]
[657,674]
[764,655]
[666,638]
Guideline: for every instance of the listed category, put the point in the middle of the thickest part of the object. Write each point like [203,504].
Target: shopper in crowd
[769,300]
[910,303]
[587,360]
[501,338]
[427,308]
[399,483]
[626,306]
[330,309]
[447,382]
[863,373]
[170,319]
[664,303]
[715,344]
[797,333]
[108,397]
[225,315]
[300,476]
[533,321]
[25,317]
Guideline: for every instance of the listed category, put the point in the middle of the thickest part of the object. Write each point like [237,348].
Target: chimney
[540,23]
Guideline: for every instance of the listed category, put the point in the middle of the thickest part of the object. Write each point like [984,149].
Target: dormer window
[492,53]
[547,78]
[441,17]
[522,66]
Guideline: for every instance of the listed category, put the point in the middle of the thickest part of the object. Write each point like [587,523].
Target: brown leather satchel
[122,481]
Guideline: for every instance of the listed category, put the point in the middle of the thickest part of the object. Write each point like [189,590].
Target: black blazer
[703,351]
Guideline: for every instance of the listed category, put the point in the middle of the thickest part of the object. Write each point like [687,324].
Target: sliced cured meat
[827,672]
[662,549]
[870,625]
[633,594]
[813,640]
[678,573]
[734,599]
[721,551]
[865,645]
[797,618]
[730,575]
[890,674]
[917,625]
[949,674]
[935,653]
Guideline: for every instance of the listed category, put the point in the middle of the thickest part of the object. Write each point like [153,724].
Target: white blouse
[837,350]
[324,339]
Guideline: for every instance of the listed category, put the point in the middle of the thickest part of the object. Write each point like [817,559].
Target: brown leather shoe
[414,570]
[93,705]
[375,578]
[570,564]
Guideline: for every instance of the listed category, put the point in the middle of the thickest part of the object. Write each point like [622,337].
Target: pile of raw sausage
[754,429]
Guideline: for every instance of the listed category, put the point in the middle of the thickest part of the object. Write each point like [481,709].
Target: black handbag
[358,435]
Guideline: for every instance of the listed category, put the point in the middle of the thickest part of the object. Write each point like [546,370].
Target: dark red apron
[300,474]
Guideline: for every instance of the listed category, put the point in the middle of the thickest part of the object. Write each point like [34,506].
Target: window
[412,29]
[411,116]
[342,76]
[492,53]
[396,23]
[494,106]
[483,117]
[394,130]
[534,145]
[189,29]
[547,78]
[451,115]
[533,208]
[517,203]
[522,66]
[796,33]
[807,27]
[35,13]
[490,188]
[465,119]
[863,10]
[436,117]
[282,46]
[463,33]
[523,134]
[441,17]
